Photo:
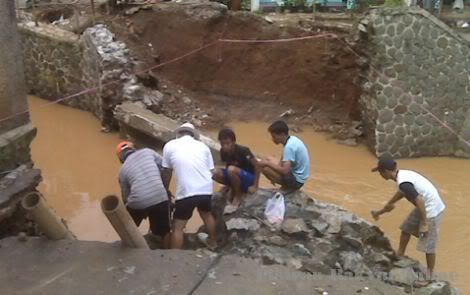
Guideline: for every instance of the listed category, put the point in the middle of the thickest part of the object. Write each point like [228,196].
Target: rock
[233,236]
[379,258]
[276,240]
[334,223]
[268,20]
[319,226]
[273,254]
[321,245]
[242,224]
[295,263]
[405,262]
[352,241]
[353,261]
[436,288]
[402,276]
[314,267]
[294,226]
[301,250]
[132,10]
[347,142]
[186,100]
[287,113]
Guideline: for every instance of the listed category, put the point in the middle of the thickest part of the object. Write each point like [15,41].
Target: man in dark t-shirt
[241,173]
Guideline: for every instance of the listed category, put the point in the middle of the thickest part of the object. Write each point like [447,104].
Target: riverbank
[340,175]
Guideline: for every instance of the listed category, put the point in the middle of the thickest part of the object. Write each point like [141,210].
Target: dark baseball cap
[385,163]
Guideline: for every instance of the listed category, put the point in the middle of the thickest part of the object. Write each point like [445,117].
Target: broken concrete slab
[235,275]
[157,126]
[14,185]
[39,266]
[14,146]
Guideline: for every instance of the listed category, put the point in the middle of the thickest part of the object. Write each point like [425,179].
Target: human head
[227,139]
[187,129]
[387,167]
[122,149]
[279,132]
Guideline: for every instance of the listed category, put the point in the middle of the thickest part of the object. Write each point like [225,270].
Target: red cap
[123,146]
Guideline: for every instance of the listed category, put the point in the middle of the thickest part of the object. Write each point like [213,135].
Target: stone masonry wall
[52,61]
[416,69]
[59,63]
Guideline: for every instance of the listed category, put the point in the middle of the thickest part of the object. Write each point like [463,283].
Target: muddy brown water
[80,167]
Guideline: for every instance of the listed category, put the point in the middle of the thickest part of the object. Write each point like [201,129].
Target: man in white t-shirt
[424,220]
[192,162]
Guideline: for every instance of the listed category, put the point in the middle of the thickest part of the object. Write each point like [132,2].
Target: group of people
[145,178]
[145,183]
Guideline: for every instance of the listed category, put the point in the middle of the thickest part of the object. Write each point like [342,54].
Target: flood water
[80,167]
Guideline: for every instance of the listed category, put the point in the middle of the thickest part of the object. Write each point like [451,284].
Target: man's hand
[252,189]
[375,214]
[423,230]
[225,189]
[272,160]
[170,195]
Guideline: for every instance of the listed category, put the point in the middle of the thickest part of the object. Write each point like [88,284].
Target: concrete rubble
[315,237]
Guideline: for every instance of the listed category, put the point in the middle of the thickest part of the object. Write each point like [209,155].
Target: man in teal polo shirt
[294,168]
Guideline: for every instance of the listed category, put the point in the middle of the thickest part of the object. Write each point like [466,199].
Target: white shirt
[432,200]
[192,163]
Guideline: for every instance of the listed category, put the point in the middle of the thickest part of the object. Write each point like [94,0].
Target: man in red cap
[424,220]
[142,189]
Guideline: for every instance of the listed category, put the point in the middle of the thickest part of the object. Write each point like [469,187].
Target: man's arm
[125,189]
[389,206]
[287,161]
[166,179]
[158,159]
[283,168]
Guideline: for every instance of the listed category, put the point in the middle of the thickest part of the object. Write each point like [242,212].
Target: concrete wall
[416,65]
[12,91]
[59,63]
[15,131]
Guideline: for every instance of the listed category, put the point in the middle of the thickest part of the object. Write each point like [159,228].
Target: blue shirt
[296,152]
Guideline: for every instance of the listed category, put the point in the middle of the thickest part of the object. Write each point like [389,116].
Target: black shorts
[289,182]
[184,208]
[159,217]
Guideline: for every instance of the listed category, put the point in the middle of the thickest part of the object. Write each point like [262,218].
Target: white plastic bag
[275,209]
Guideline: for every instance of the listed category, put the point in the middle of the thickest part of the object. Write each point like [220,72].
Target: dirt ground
[231,81]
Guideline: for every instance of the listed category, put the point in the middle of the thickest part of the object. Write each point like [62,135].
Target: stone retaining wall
[59,63]
[417,74]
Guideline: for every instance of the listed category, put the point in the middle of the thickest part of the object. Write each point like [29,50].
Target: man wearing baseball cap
[192,162]
[424,220]
[142,189]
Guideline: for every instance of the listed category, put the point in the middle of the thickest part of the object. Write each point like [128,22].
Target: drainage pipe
[122,222]
[49,223]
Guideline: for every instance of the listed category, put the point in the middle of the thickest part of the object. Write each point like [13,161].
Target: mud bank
[329,82]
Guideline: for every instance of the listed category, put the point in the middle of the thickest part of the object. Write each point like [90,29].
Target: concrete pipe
[122,222]
[49,223]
